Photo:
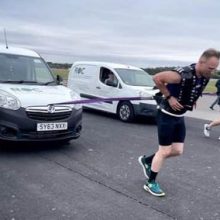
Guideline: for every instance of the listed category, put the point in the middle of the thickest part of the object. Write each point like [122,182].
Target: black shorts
[171,129]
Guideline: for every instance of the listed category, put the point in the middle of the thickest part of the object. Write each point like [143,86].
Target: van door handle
[98,87]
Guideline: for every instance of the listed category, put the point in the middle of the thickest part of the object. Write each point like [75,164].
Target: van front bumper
[17,126]
[144,109]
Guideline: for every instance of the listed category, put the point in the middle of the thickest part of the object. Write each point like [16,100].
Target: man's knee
[178,151]
[165,152]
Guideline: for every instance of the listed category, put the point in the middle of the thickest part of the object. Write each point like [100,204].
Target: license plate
[52,126]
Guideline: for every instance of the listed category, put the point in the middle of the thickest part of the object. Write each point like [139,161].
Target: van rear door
[83,79]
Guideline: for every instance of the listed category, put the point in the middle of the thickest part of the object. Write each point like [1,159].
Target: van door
[107,86]
[83,79]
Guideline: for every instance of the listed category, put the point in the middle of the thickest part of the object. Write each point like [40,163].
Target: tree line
[151,71]
[155,70]
[59,65]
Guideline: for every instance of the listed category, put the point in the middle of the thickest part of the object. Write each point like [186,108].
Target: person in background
[208,127]
[111,80]
[217,100]
[181,88]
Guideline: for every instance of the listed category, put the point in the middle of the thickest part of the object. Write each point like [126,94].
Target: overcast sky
[138,32]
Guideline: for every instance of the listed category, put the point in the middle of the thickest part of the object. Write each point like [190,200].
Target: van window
[15,68]
[41,73]
[108,77]
[135,77]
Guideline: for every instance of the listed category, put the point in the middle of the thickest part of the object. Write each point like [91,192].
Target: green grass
[62,72]
[210,88]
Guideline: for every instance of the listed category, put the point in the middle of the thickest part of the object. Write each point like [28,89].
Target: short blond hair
[210,53]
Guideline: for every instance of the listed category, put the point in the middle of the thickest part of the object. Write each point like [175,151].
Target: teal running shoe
[146,167]
[154,189]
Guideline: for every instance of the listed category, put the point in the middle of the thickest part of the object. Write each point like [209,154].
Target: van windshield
[23,69]
[135,77]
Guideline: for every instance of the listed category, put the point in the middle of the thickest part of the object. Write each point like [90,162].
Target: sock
[152,176]
[149,159]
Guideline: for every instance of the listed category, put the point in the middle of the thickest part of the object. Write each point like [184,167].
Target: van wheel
[125,112]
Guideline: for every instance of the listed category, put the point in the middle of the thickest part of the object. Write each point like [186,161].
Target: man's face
[208,66]
[111,76]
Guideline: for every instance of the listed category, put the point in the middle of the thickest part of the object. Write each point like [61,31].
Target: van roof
[18,51]
[106,64]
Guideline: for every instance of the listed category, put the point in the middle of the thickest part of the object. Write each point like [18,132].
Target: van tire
[125,111]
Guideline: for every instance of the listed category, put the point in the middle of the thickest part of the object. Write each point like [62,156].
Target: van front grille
[45,113]
[48,116]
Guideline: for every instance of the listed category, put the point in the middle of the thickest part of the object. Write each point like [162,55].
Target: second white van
[94,80]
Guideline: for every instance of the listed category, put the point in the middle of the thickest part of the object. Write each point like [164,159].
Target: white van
[27,93]
[94,80]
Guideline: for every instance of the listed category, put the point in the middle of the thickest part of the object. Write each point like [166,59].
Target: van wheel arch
[125,111]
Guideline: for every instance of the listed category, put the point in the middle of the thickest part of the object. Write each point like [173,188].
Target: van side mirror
[59,79]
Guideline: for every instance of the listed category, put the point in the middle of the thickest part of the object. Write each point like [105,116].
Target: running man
[181,88]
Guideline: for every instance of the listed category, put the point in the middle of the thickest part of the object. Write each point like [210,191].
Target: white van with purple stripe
[93,80]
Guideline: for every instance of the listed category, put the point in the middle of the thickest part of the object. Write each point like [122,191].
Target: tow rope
[97,100]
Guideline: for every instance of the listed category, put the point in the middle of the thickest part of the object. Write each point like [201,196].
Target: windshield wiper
[26,81]
[47,83]
[18,81]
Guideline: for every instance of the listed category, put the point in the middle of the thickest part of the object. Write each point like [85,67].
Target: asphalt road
[98,177]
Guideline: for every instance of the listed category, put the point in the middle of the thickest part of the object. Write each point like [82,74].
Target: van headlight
[9,101]
[75,96]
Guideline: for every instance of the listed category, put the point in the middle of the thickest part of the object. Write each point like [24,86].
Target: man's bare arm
[162,78]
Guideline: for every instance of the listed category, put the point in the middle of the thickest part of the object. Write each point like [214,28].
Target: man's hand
[174,104]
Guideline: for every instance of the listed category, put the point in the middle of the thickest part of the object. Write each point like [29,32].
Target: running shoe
[206,130]
[146,167]
[154,189]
